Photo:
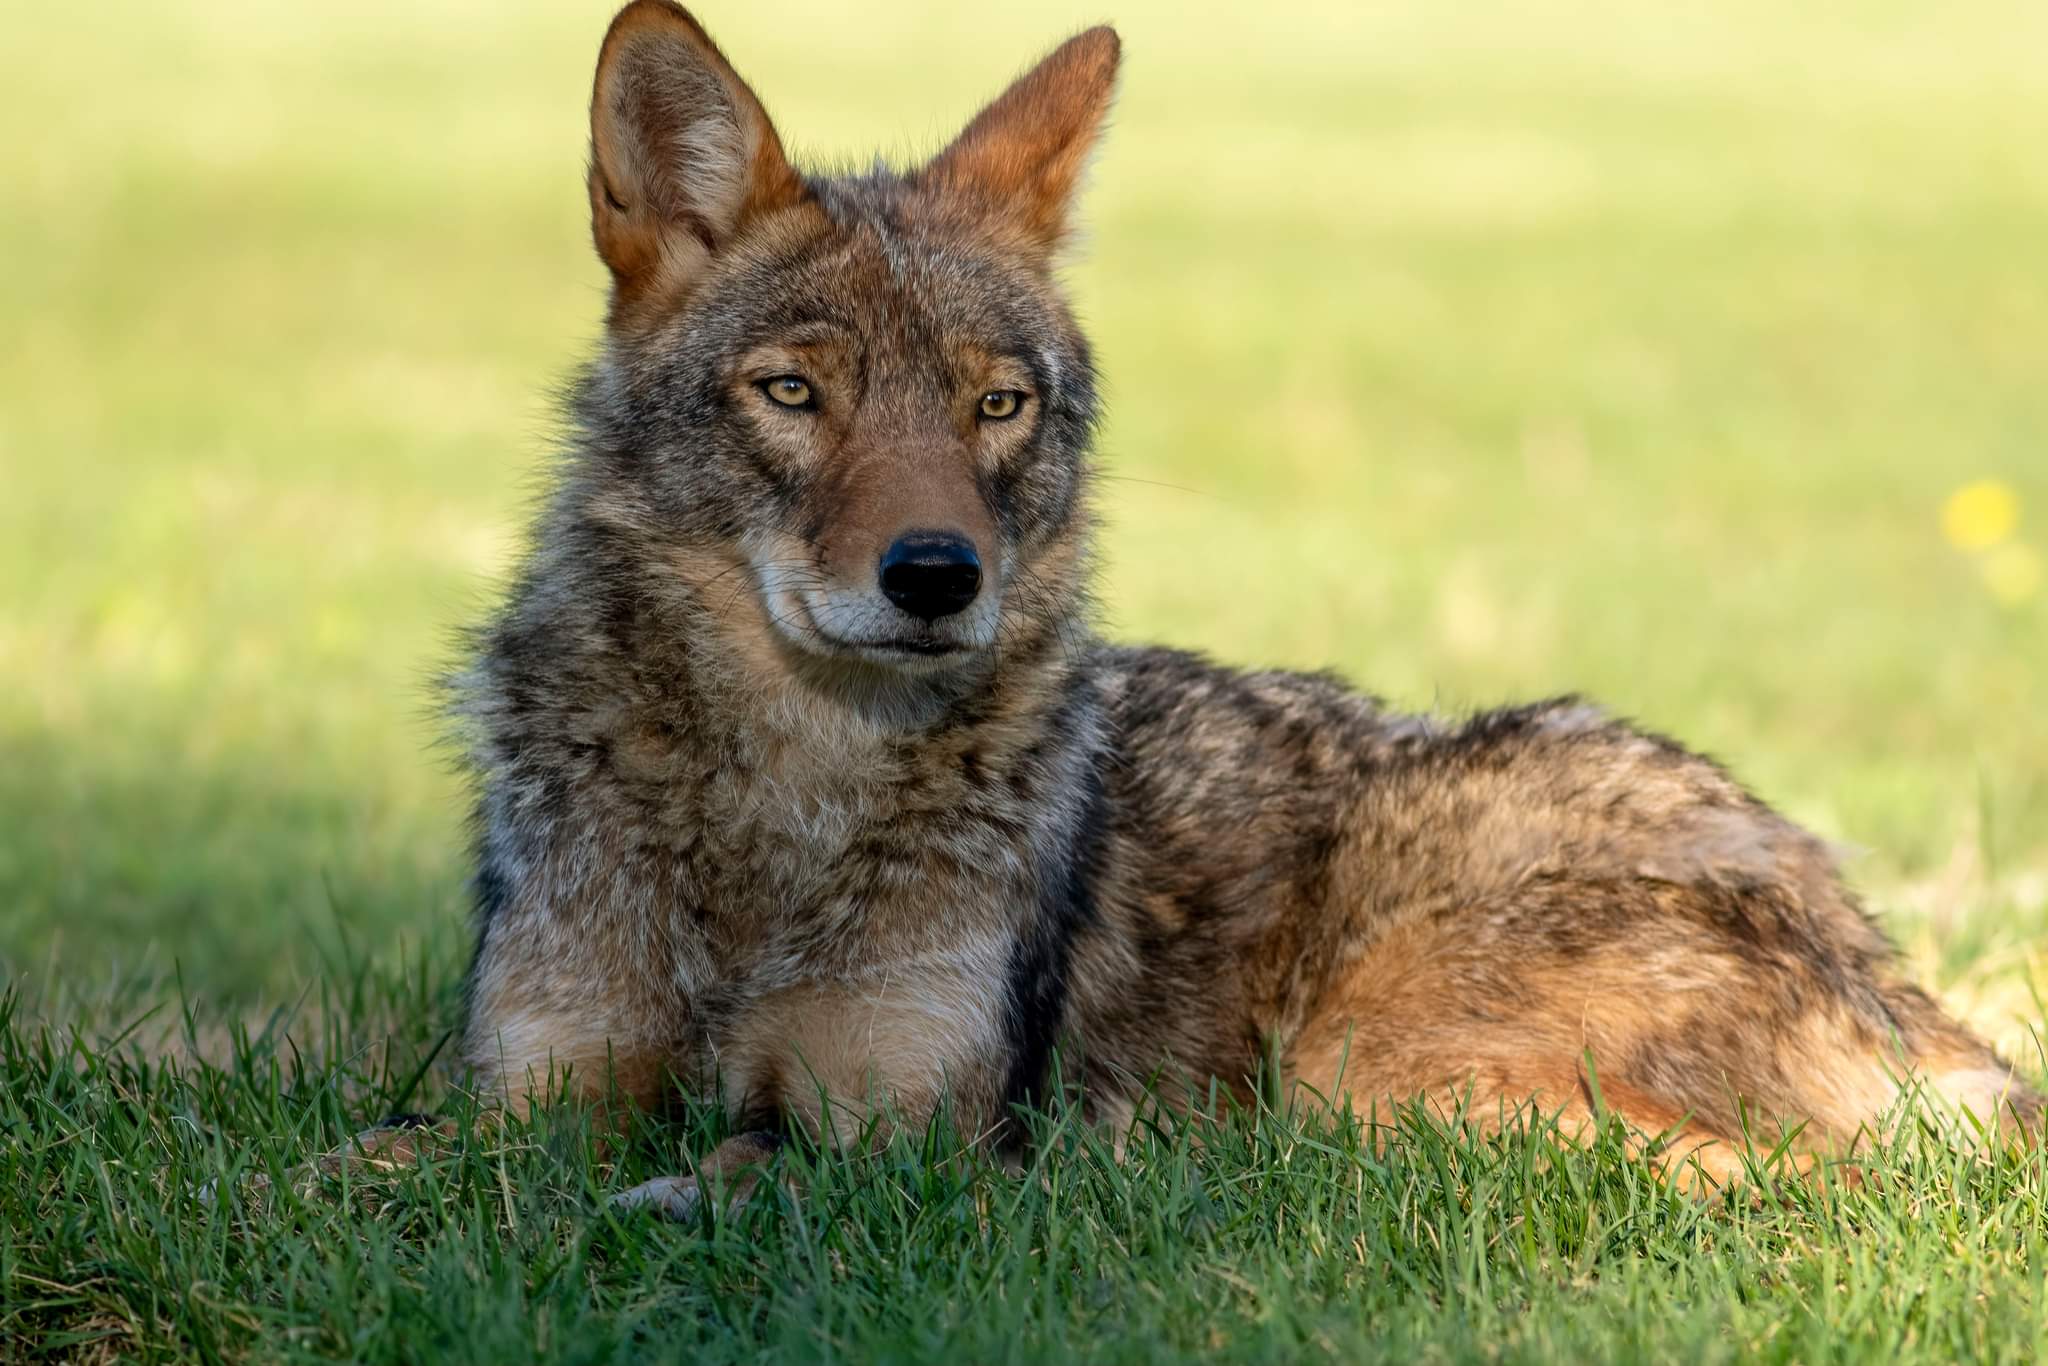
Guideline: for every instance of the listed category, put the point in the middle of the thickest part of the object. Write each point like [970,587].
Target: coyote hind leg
[1688,1030]
[1529,1090]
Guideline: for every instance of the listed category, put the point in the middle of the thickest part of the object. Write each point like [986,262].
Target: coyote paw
[672,1197]
[395,1142]
[732,1171]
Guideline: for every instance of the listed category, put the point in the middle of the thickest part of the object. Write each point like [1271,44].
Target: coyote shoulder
[804,777]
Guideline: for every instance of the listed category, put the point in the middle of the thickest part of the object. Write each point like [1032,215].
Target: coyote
[804,780]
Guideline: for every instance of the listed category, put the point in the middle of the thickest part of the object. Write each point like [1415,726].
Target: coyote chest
[777,857]
[749,832]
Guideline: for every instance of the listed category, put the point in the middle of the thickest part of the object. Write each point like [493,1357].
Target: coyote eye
[1001,403]
[791,391]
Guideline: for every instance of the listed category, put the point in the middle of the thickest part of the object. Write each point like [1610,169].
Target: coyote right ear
[1024,154]
[681,152]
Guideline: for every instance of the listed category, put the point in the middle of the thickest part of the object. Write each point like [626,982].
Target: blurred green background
[1481,351]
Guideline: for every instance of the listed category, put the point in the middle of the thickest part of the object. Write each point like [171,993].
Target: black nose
[931,574]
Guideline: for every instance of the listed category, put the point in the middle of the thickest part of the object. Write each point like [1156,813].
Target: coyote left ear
[1024,154]
[682,155]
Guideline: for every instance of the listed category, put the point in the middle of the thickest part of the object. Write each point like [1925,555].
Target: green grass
[1273,1237]
[1481,351]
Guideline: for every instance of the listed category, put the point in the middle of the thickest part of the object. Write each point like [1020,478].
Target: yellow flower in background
[1980,515]
[1979,519]
[2013,573]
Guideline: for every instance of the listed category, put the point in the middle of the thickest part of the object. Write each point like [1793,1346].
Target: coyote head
[850,411]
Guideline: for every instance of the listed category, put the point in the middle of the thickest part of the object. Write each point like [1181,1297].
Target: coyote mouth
[920,648]
[811,625]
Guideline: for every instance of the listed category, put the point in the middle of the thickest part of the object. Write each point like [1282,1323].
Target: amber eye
[791,391]
[1001,403]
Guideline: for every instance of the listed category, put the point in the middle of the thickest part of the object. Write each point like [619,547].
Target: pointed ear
[681,152]
[1024,154]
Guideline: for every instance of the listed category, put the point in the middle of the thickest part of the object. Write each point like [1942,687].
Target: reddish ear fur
[681,152]
[1024,154]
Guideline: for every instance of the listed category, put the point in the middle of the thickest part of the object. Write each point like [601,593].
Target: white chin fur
[847,624]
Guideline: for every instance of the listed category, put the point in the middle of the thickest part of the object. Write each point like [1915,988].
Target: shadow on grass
[244,879]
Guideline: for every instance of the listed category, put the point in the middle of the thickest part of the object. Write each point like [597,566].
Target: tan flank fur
[804,777]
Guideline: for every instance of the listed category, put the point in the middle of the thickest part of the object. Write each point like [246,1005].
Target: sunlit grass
[149,1210]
